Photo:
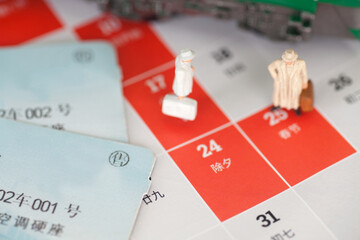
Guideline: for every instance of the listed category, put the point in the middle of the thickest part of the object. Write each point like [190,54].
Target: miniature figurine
[290,78]
[179,105]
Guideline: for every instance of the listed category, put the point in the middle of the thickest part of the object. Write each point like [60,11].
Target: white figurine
[180,106]
[184,73]
[290,77]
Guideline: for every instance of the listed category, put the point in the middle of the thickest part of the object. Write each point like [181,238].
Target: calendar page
[238,171]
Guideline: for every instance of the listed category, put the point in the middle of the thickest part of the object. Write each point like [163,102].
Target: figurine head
[289,56]
[187,55]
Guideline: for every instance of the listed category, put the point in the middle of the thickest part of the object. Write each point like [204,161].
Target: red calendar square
[139,49]
[227,172]
[297,146]
[22,20]
[146,97]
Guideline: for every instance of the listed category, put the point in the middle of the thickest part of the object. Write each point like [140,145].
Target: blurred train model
[278,19]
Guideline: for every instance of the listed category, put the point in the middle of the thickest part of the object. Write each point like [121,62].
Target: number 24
[213,146]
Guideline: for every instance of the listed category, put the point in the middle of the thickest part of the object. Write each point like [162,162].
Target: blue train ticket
[69,86]
[60,185]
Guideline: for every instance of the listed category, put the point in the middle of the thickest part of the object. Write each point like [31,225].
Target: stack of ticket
[78,183]
[74,87]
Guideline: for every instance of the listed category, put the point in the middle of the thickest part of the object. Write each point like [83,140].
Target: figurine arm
[273,70]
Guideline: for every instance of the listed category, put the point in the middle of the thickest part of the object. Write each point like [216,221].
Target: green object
[301,5]
[306,5]
[356,33]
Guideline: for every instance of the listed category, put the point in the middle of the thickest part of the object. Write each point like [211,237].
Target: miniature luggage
[307,98]
[181,108]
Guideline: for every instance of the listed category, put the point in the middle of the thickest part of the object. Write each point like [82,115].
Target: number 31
[266,221]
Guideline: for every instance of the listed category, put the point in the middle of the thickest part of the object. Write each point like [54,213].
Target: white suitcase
[181,108]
